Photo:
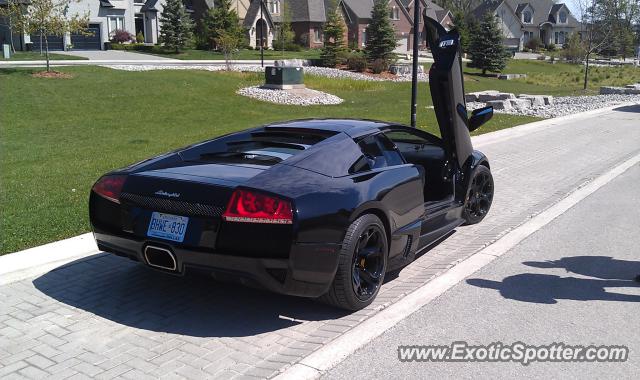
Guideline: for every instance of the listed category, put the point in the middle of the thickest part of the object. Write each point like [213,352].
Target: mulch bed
[52,74]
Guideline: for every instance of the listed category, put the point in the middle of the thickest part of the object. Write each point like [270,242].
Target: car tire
[479,196]
[361,265]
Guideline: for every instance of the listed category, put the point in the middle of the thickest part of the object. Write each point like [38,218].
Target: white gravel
[567,105]
[299,97]
[312,70]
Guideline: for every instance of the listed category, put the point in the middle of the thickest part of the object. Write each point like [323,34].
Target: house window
[364,38]
[563,17]
[317,34]
[559,38]
[526,17]
[115,23]
[395,13]
[274,6]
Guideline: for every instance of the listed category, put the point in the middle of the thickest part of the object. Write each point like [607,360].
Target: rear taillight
[109,187]
[251,207]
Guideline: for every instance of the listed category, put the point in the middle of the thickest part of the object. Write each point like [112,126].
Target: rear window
[263,147]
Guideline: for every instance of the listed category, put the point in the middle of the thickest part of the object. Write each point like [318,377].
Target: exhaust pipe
[160,258]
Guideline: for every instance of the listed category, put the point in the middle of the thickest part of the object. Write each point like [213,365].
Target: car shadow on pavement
[132,294]
[635,108]
[605,272]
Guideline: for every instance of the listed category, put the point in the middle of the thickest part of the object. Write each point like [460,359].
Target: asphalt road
[569,282]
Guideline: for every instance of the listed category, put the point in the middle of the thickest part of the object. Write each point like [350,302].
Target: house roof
[304,10]
[360,8]
[543,10]
[149,6]
[252,13]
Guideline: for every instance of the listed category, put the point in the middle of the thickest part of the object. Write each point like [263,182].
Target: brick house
[523,20]
[309,16]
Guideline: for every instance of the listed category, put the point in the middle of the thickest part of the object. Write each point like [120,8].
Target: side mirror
[479,117]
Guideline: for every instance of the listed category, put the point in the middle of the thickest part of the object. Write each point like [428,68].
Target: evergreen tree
[219,21]
[485,46]
[381,36]
[463,28]
[334,43]
[176,31]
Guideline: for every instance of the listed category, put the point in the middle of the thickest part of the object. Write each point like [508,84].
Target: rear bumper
[308,272]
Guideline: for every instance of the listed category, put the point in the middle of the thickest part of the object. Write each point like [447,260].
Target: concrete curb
[330,355]
[38,260]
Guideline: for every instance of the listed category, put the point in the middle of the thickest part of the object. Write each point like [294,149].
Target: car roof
[352,127]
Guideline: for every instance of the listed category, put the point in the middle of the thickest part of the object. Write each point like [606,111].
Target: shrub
[533,44]
[357,62]
[552,47]
[133,47]
[379,65]
[121,36]
[541,57]
[139,38]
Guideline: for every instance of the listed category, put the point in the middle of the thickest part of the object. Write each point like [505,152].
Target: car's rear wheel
[479,195]
[362,265]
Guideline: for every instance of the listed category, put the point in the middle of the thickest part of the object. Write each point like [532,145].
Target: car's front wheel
[479,195]
[362,265]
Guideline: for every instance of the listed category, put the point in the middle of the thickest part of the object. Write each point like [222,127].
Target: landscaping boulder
[500,104]
[489,95]
[404,69]
[628,90]
[289,63]
[548,100]
[511,76]
[520,104]
[535,100]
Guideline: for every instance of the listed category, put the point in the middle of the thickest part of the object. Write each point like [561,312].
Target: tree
[221,20]
[463,26]
[284,33]
[50,17]
[177,27]
[334,43]
[573,50]
[11,14]
[228,43]
[485,48]
[596,33]
[381,36]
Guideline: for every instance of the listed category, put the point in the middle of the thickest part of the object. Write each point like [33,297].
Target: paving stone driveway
[109,317]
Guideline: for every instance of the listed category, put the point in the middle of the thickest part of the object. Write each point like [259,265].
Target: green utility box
[284,78]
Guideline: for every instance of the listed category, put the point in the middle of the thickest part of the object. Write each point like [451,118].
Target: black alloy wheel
[479,195]
[362,264]
[368,263]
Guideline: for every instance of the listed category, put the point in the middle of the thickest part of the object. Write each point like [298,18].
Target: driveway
[114,55]
[109,317]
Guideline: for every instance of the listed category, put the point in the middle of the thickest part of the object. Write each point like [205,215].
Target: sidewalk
[155,61]
[107,316]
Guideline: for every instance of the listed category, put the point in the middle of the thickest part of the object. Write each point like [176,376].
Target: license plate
[167,226]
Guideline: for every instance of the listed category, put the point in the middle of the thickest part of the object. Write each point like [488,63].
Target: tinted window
[378,152]
[406,137]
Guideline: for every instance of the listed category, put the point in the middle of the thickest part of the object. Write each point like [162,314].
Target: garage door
[91,42]
[55,42]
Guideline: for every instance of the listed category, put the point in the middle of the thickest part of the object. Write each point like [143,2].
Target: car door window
[378,152]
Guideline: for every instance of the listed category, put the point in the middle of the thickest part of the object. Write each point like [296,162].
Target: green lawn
[57,136]
[35,56]
[555,79]
[242,54]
